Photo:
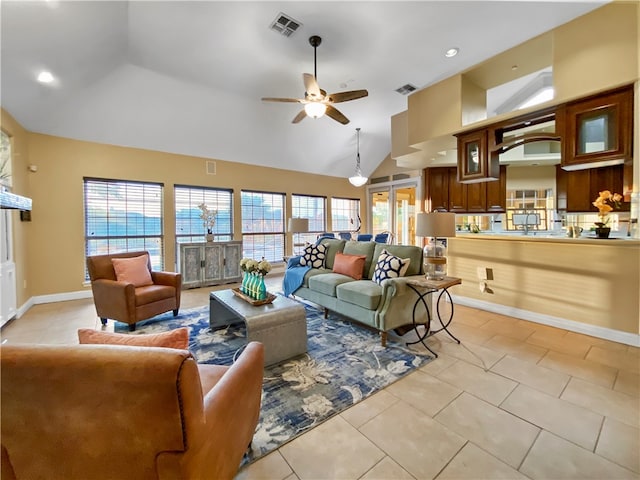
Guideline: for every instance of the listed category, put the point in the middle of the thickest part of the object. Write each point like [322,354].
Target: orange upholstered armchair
[122,412]
[126,289]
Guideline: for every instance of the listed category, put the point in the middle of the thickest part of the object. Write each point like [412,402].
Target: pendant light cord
[358,171]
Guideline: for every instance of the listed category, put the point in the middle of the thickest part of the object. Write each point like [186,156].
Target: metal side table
[424,287]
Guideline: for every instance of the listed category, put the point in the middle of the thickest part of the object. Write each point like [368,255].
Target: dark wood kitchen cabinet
[445,193]
[576,190]
[597,131]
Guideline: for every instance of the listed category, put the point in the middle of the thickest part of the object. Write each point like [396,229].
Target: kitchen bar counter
[584,284]
[544,237]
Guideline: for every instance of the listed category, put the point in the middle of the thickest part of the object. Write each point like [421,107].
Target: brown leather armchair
[123,301]
[106,411]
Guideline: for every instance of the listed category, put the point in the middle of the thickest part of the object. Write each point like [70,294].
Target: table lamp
[436,225]
[298,225]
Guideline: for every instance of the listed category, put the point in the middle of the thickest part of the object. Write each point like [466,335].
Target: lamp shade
[436,224]
[299,225]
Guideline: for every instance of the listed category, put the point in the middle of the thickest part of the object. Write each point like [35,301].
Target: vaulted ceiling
[187,77]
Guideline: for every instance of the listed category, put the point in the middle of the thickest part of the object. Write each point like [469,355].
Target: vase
[603,232]
[209,237]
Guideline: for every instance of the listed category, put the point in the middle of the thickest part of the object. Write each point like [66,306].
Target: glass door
[392,208]
[404,215]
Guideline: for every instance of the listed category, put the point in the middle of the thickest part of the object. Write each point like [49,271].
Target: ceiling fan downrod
[315,41]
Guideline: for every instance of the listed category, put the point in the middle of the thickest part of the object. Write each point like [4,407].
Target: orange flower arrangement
[605,203]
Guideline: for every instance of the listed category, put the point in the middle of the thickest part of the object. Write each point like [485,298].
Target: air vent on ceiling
[406,89]
[285,25]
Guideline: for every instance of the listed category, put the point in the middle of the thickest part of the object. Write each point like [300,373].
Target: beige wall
[584,281]
[527,178]
[55,238]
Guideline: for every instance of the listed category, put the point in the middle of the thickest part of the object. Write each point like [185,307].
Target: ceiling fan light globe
[358,180]
[315,109]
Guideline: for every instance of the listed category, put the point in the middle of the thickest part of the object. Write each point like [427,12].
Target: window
[345,214]
[122,216]
[189,225]
[263,225]
[538,204]
[311,207]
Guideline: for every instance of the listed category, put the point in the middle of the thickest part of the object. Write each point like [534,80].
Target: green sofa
[385,306]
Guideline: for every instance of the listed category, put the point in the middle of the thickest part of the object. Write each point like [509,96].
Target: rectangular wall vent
[406,89]
[285,25]
[379,180]
[211,167]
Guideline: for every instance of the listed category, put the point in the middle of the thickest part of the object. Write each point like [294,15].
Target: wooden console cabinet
[210,263]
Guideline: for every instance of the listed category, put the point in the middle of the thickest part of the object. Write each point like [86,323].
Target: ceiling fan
[316,101]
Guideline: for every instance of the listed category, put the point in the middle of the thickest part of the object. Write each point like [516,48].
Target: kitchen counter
[583,284]
[545,237]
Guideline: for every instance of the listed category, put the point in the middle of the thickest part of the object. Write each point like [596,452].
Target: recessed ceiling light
[45,77]
[452,52]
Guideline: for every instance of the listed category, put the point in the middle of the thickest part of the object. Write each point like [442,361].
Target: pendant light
[358,180]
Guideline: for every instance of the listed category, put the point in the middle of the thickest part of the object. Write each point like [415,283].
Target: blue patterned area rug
[345,364]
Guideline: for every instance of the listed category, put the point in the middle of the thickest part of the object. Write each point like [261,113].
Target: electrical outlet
[24,284]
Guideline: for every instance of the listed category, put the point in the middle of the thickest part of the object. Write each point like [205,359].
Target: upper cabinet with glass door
[597,130]
[474,162]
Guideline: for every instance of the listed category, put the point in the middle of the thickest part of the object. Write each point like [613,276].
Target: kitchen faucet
[526,222]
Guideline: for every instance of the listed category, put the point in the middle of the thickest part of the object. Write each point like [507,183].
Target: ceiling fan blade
[291,100]
[311,86]
[336,115]
[346,96]
[299,116]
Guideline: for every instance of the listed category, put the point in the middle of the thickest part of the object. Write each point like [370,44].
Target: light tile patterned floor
[514,400]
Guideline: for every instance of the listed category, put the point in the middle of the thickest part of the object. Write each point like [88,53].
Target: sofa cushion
[327,283]
[177,338]
[133,270]
[362,248]
[334,246]
[364,293]
[390,266]
[313,256]
[350,265]
[403,251]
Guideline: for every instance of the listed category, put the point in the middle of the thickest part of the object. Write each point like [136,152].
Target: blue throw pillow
[390,266]
[313,256]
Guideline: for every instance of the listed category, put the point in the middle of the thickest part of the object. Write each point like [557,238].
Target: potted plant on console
[605,203]
[208,219]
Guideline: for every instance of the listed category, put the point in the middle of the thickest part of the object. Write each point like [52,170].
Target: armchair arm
[114,300]
[231,410]
[170,279]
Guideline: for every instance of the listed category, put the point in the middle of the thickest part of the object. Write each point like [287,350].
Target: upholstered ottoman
[281,326]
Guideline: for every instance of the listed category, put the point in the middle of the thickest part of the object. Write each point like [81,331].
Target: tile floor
[515,400]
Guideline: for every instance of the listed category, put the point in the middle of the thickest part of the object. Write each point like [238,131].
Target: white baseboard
[571,325]
[52,298]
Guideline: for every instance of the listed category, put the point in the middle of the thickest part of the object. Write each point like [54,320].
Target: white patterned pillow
[313,256]
[390,266]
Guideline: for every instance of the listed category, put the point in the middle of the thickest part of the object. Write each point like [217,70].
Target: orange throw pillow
[178,338]
[350,265]
[133,270]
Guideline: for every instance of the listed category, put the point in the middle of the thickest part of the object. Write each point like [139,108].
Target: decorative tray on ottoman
[270,298]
